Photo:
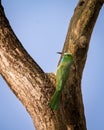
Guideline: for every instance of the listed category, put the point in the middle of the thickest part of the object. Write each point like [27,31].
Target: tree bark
[33,87]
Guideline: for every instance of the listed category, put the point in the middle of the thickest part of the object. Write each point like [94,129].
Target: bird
[62,74]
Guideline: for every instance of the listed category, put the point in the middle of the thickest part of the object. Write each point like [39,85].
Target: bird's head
[67,56]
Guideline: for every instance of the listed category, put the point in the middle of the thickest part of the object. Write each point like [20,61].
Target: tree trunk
[33,87]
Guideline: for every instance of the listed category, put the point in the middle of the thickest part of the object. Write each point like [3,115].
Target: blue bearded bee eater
[61,78]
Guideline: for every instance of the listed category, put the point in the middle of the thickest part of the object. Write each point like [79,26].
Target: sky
[41,26]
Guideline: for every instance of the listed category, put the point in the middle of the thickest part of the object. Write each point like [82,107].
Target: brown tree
[33,87]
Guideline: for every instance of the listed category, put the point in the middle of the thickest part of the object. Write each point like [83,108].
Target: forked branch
[33,87]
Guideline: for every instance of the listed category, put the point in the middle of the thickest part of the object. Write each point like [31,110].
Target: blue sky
[41,26]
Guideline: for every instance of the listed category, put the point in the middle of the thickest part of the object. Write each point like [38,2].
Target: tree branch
[26,79]
[77,42]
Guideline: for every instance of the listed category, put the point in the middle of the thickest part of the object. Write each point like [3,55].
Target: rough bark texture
[26,79]
[33,87]
[77,42]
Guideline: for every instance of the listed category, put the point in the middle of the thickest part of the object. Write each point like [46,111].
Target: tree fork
[33,87]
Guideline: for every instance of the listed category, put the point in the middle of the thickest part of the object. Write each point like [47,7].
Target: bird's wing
[60,77]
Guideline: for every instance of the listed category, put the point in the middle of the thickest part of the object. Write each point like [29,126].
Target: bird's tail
[54,104]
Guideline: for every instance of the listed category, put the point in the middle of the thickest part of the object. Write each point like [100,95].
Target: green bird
[61,77]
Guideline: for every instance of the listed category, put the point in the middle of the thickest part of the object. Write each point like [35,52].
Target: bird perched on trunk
[61,77]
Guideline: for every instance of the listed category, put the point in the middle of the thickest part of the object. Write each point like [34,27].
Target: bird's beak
[59,52]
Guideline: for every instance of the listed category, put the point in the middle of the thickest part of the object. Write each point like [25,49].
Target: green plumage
[61,77]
